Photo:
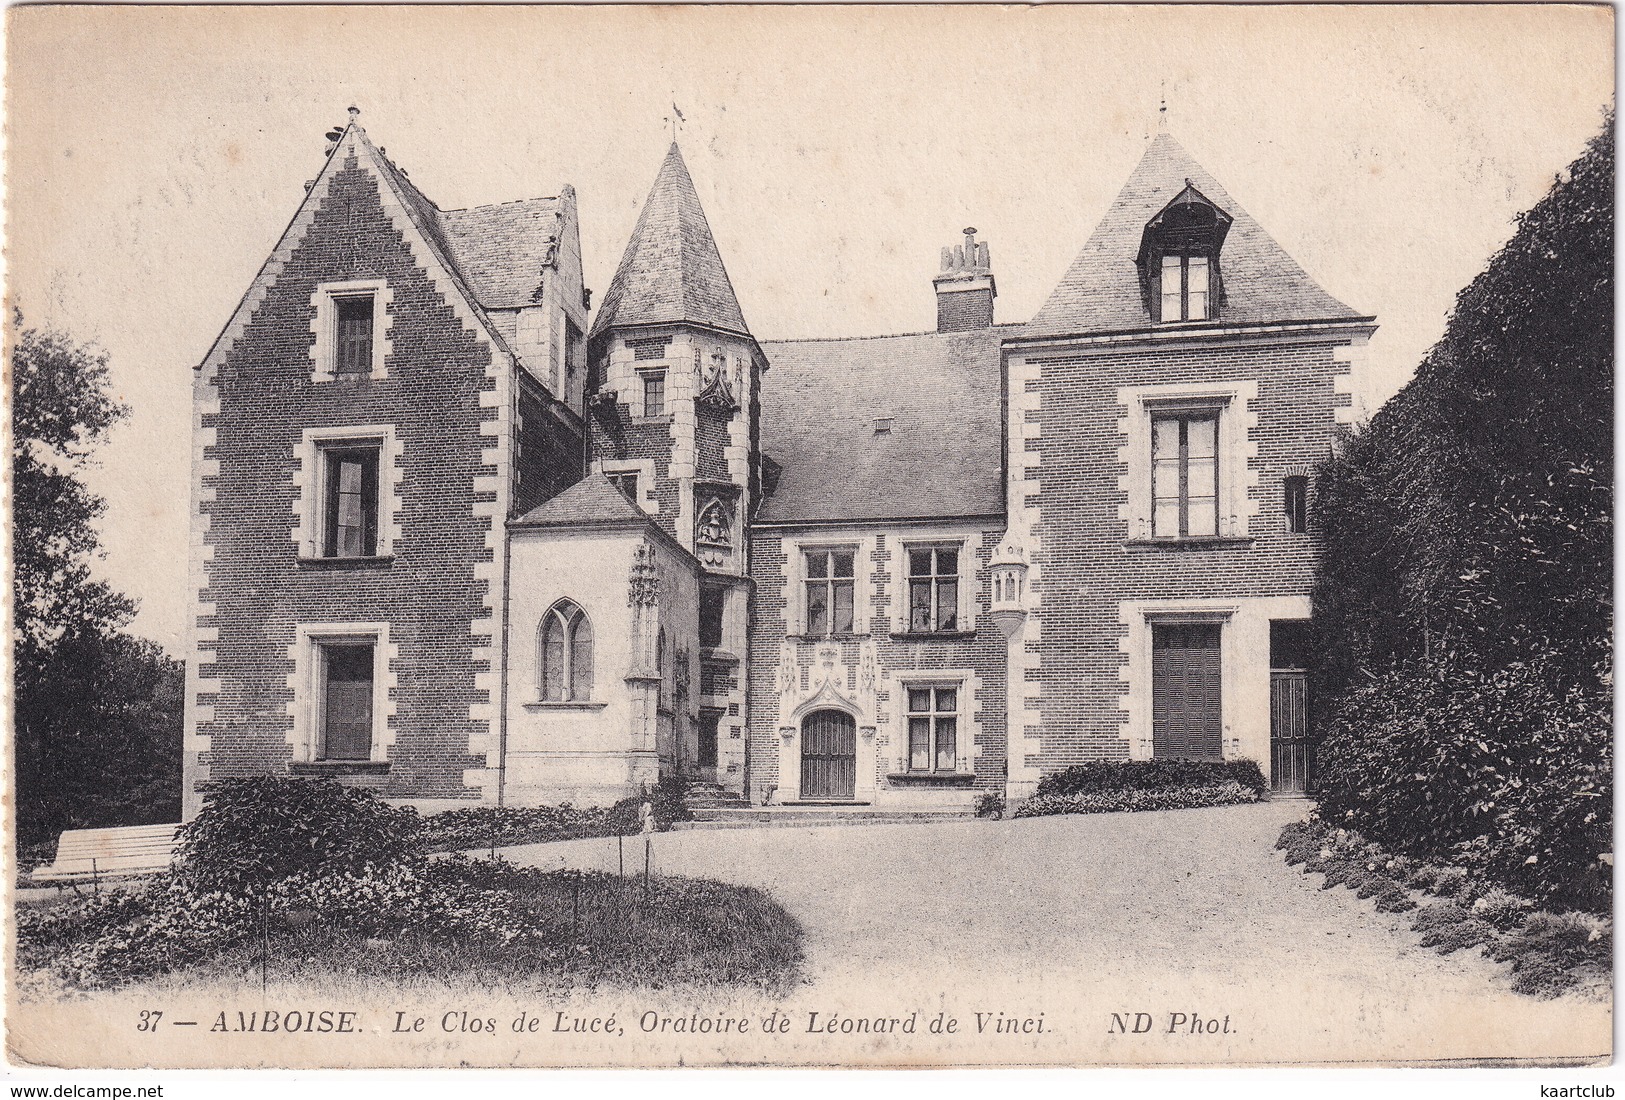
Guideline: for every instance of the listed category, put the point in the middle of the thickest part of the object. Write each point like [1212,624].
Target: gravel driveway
[1163,919]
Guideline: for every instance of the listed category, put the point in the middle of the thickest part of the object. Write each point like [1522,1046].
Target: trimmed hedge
[1463,648]
[1105,776]
[1229,793]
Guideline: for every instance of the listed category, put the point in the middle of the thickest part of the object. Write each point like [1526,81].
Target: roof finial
[355,113]
[1162,111]
[676,119]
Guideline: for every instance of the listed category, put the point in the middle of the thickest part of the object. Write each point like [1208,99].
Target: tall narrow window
[933,728]
[566,654]
[654,393]
[1184,288]
[829,591]
[1185,475]
[712,601]
[350,499]
[1295,491]
[354,335]
[933,590]
[346,702]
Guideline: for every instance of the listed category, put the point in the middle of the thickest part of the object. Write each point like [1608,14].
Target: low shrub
[498,826]
[251,833]
[1549,953]
[1395,899]
[1102,776]
[1097,802]
[990,804]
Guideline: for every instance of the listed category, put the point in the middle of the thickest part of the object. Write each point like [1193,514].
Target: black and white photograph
[810,536]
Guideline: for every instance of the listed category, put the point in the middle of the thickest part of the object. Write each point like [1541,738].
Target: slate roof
[1101,291]
[590,502]
[944,453]
[502,249]
[497,251]
[671,270]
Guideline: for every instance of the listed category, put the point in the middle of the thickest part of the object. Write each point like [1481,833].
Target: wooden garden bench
[94,854]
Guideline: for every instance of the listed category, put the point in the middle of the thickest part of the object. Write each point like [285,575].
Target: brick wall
[549,459]
[431,594]
[1082,481]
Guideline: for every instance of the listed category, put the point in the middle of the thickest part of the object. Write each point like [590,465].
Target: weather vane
[676,119]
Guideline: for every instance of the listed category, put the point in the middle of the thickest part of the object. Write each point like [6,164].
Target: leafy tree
[97,712]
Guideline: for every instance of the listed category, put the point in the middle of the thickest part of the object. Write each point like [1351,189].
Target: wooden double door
[829,756]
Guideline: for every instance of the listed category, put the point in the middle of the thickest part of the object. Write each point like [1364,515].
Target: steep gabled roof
[591,502]
[503,249]
[942,455]
[671,271]
[1101,290]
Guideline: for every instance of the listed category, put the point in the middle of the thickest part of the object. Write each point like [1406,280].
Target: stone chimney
[965,289]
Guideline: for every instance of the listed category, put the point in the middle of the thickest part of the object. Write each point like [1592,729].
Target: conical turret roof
[671,271]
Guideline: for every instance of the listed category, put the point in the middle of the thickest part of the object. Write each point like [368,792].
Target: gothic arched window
[566,654]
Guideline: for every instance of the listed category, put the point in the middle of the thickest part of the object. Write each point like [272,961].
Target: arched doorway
[829,751]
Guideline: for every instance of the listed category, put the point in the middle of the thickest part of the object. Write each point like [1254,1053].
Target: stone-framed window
[933,587]
[1187,461]
[349,483]
[933,726]
[342,683]
[653,386]
[1185,472]
[350,334]
[830,585]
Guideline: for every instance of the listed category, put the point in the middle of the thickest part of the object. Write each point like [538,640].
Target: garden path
[1080,917]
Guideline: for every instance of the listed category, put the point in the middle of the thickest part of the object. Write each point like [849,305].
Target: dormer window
[1184,288]
[1179,259]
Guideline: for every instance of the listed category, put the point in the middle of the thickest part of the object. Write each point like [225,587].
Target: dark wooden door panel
[1291,750]
[829,749]
[1186,718]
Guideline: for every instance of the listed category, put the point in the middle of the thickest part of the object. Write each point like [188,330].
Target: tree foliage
[97,712]
[1464,594]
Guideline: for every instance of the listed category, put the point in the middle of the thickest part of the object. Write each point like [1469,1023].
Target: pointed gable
[1102,291]
[671,272]
[590,502]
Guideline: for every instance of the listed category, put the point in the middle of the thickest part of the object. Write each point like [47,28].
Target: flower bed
[1550,953]
[1175,798]
[311,878]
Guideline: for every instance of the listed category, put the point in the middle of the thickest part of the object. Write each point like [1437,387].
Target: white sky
[155,155]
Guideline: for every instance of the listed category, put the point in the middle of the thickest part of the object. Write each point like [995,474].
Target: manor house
[461,538]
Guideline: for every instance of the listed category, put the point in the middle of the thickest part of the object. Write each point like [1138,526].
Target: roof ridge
[491,205]
[885,335]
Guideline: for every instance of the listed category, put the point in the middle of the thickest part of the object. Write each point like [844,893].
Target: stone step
[802,816]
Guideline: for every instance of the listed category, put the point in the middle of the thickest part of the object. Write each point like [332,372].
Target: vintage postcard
[930,536]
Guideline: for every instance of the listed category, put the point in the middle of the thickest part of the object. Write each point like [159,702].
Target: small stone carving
[643,586]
